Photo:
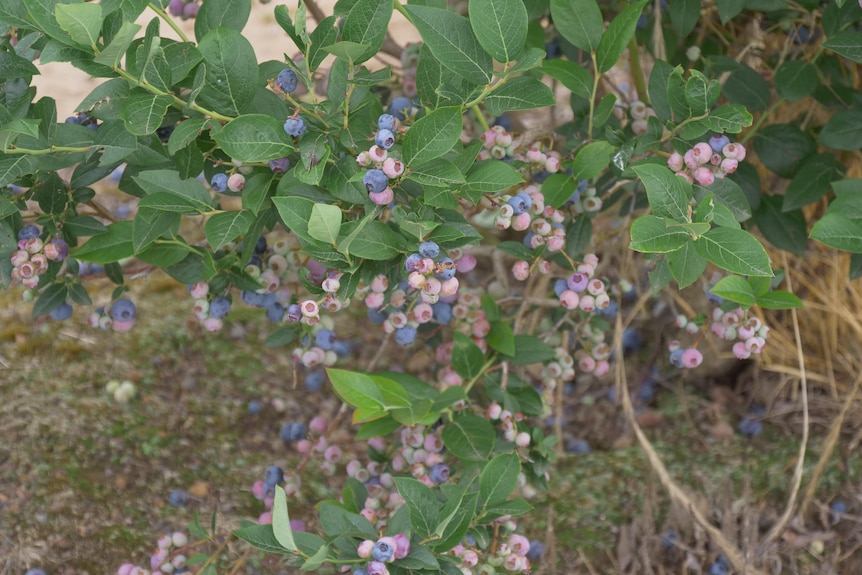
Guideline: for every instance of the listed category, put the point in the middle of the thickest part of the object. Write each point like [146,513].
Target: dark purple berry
[287,80]
[123,310]
[274,475]
[440,473]
[279,165]
[178,498]
[219,307]
[175,8]
[28,233]
[62,312]
[411,262]
[275,312]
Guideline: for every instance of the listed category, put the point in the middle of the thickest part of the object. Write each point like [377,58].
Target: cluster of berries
[222,182]
[639,113]
[31,258]
[497,143]
[322,347]
[384,550]
[421,452]
[167,558]
[511,555]
[292,431]
[526,211]
[689,357]
[120,316]
[507,421]
[557,372]
[585,199]
[121,391]
[748,332]
[185,9]
[376,180]
[707,160]
[84,119]
[265,490]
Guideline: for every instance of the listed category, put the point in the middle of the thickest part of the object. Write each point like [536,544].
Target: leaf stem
[766,113]
[51,150]
[679,126]
[596,76]
[481,118]
[482,371]
[164,16]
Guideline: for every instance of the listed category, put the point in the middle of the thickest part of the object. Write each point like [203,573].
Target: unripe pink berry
[552,164]
[393,167]
[364,549]
[377,154]
[602,368]
[521,270]
[689,160]
[521,222]
[692,358]
[674,162]
[465,263]
[522,439]
[423,313]
[236,182]
[729,166]
[704,176]
[686,176]
[701,153]
[383,198]
[569,299]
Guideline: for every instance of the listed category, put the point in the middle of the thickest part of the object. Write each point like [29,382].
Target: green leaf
[795,80]
[163,254]
[143,113]
[359,391]
[422,503]
[225,227]
[231,71]
[734,250]
[785,230]
[520,93]
[469,437]
[727,9]
[782,147]
[735,289]
[811,182]
[557,189]
[500,26]
[492,176]
[847,44]
[348,51]
[574,77]
[437,172]
[729,119]
[130,9]
[451,40]
[839,232]
[698,92]
[684,15]
[150,225]
[152,181]
[668,194]
[501,338]
[261,537]
[578,21]
[325,223]
[499,478]
[12,66]
[747,87]
[83,22]
[467,358]
[529,349]
[651,234]
[658,89]
[185,133]
[617,36]
[254,138]
[728,193]
[842,131]
[685,265]
[366,24]
[221,13]
[281,520]
[51,297]
[111,246]
[432,136]
[114,52]
[592,159]
[779,299]
[377,241]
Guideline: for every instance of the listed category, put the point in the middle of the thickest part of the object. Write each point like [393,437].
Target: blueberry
[412,261]
[429,249]
[445,269]
[750,427]
[718,142]
[528,239]
[286,80]
[314,380]
[669,539]
[219,307]
[553,50]
[377,316]
[219,183]
[642,22]
[28,233]
[720,567]
[405,335]
[537,548]
[164,133]
[341,348]
[35,572]
[275,312]
[274,475]
[123,310]
[252,298]
[578,446]
[676,358]
[402,107]
[440,473]
[294,313]
[560,286]
[297,431]
[375,181]
[386,122]
[324,339]
[260,246]
[73,120]
[62,312]
[442,312]
[253,407]
[294,127]
[519,206]
[175,7]
[382,551]
[646,393]
[385,139]
[279,165]
[837,511]
[178,498]
[611,311]
[504,122]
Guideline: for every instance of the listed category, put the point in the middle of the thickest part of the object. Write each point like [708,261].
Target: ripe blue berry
[676,357]
[440,473]
[28,233]
[411,262]
[504,122]
[429,249]
[376,316]
[750,427]
[632,340]
[219,307]
[445,269]
[275,312]
[325,339]
[279,165]
[837,511]
[578,446]
[442,312]
[402,107]
[314,380]
[253,407]
[341,348]
[537,548]
[385,139]
[252,298]
[219,183]
[382,551]
[62,312]
[273,475]
[669,539]
[178,498]
[123,310]
[520,202]
[386,122]
[405,335]
[286,80]
[375,181]
[718,142]
[294,313]
[297,431]
[294,127]
[720,567]
[560,286]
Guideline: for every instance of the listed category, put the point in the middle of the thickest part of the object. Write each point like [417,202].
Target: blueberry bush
[326,186]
